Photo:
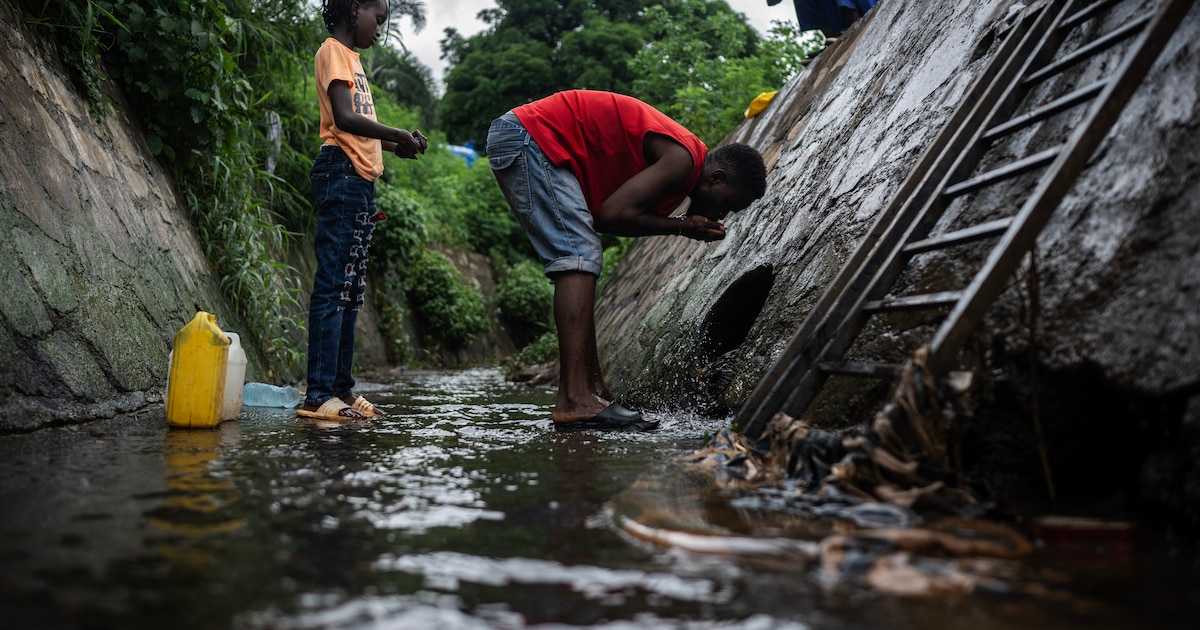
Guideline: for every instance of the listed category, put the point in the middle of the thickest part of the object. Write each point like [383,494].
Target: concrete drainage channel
[723,332]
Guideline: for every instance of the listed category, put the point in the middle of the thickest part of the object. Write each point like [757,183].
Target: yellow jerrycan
[196,381]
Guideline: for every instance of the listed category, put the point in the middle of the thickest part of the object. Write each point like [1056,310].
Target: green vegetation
[697,60]
[223,89]
[544,349]
[451,311]
[526,299]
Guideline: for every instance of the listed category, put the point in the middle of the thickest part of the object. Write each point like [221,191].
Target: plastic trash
[235,375]
[466,152]
[264,395]
[759,103]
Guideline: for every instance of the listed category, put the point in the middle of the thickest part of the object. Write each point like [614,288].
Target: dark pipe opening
[724,330]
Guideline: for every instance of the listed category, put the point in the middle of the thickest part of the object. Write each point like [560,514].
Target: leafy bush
[705,64]
[543,350]
[450,311]
[393,313]
[401,237]
[493,230]
[526,300]
[436,181]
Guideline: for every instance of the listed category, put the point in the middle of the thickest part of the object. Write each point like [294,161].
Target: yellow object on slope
[759,103]
[196,381]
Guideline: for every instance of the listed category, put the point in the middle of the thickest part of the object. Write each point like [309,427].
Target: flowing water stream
[462,509]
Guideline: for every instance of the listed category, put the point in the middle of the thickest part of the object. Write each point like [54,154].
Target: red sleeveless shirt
[598,135]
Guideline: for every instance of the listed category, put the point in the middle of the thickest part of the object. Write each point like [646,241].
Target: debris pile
[901,521]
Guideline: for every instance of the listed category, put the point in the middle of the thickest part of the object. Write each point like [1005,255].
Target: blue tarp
[467,153]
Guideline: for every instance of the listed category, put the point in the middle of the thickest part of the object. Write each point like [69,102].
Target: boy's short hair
[744,167]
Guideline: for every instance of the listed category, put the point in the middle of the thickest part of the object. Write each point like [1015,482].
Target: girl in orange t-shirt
[343,186]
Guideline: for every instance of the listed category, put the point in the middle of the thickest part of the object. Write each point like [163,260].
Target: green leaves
[451,312]
[697,60]
[437,199]
[399,239]
[533,49]
[705,64]
[526,300]
[486,85]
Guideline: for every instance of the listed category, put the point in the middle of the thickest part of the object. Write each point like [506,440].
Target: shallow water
[462,509]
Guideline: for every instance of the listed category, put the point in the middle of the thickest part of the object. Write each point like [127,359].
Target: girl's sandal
[363,406]
[332,409]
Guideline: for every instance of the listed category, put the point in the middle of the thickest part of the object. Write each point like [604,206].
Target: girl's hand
[407,146]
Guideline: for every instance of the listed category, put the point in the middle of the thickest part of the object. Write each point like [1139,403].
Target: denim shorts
[547,200]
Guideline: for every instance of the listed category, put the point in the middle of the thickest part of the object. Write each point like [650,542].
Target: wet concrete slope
[1100,337]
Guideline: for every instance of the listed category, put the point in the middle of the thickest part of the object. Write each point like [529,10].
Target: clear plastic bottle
[264,395]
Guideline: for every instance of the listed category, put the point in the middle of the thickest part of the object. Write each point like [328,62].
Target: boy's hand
[701,228]
[421,140]
[408,146]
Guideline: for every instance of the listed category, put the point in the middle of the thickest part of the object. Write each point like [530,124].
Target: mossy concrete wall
[99,264]
[1117,339]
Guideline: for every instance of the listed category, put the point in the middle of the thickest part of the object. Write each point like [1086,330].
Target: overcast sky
[460,14]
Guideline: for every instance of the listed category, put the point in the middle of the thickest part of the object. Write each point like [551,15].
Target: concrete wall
[838,141]
[1115,373]
[99,263]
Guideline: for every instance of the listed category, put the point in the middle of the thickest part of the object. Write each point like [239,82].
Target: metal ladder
[1030,54]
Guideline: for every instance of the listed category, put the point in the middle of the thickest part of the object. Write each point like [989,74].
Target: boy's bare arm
[402,142]
[630,210]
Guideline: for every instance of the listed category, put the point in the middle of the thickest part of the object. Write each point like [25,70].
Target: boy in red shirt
[582,162]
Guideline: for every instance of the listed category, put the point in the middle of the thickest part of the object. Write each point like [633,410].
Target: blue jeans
[547,200]
[345,213]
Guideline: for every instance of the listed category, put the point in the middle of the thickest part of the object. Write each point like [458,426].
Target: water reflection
[198,496]
[462,509]
[447,570]
[572,486]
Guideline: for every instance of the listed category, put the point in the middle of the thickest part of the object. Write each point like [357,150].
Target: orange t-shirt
[336,62]
[599,136]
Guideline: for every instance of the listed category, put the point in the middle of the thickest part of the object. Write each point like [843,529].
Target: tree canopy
[698,60]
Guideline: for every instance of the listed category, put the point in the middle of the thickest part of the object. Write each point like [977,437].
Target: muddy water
[460,510]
